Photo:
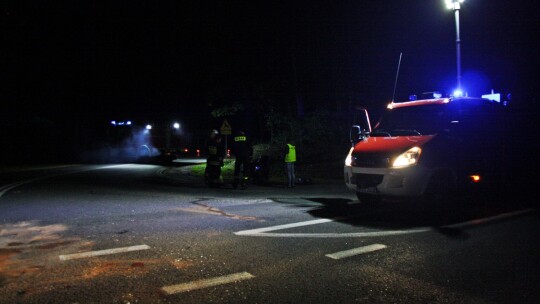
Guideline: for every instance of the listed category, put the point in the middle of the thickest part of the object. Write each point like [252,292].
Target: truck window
[477,118]
[411,121]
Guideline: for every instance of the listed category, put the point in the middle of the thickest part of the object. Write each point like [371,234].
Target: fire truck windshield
[411,121]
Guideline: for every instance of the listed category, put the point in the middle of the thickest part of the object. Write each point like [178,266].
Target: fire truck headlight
[409,158]
[348,159]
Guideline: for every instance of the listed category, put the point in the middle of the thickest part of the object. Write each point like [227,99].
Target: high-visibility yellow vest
[291,156]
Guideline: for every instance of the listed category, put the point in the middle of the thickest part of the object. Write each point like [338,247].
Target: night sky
[96,60]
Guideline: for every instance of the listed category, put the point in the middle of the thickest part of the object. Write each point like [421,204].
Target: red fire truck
[430,148]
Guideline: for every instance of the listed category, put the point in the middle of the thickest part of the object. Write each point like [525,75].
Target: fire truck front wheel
[439,190]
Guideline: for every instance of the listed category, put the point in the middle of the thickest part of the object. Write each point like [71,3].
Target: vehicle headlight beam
[408,158]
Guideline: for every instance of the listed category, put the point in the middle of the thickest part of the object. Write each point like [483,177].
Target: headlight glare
[408,158]
[348,159]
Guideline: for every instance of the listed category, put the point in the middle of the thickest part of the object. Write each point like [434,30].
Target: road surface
[142,233]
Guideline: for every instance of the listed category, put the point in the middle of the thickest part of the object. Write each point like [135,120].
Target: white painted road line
[356,251]
[486,220]
[4,189]
[281,227]
[102,252]
[265,231]
[338,234]
[269,231]
[200,284]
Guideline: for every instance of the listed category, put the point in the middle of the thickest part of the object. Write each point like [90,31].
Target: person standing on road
[290,159]
[214,162]
[242,151]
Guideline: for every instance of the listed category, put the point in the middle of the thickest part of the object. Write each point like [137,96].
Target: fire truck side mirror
[356,134]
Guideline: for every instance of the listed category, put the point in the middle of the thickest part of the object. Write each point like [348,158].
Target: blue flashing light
[148,127]
[458,93]
[121,123]
[412,97]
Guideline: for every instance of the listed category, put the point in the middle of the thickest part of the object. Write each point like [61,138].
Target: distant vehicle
[430,148]
[130,141]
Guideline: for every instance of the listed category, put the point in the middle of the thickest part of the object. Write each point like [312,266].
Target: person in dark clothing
[214,161]
[242,151]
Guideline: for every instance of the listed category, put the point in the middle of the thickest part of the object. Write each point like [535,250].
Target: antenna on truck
[397,74]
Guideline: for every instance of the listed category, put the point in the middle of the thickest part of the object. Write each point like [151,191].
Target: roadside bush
[321,142]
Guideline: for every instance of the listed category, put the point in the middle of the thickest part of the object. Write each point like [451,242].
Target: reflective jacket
[290,157]
[241,147]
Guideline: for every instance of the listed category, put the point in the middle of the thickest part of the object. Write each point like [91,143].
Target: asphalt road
[139,233]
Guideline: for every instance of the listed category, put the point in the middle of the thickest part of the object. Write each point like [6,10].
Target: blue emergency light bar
[121,123]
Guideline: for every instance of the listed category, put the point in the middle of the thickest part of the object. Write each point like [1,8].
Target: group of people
[242,150]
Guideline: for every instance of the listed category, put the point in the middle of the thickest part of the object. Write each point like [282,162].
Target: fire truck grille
[367,180]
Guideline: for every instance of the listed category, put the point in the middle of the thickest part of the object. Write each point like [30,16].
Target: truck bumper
[388,182]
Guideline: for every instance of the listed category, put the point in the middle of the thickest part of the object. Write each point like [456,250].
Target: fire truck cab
[427,148]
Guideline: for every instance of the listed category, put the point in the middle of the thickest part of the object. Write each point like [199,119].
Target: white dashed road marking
[102,252]
[355,251]
[200,284]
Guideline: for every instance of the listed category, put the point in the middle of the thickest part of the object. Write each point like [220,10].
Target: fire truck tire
[368,199]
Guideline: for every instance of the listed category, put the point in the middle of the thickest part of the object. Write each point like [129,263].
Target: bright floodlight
[458,93]
[148,127]
[176,125]
[453,4]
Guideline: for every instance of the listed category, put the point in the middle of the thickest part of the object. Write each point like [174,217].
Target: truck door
[361,126]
